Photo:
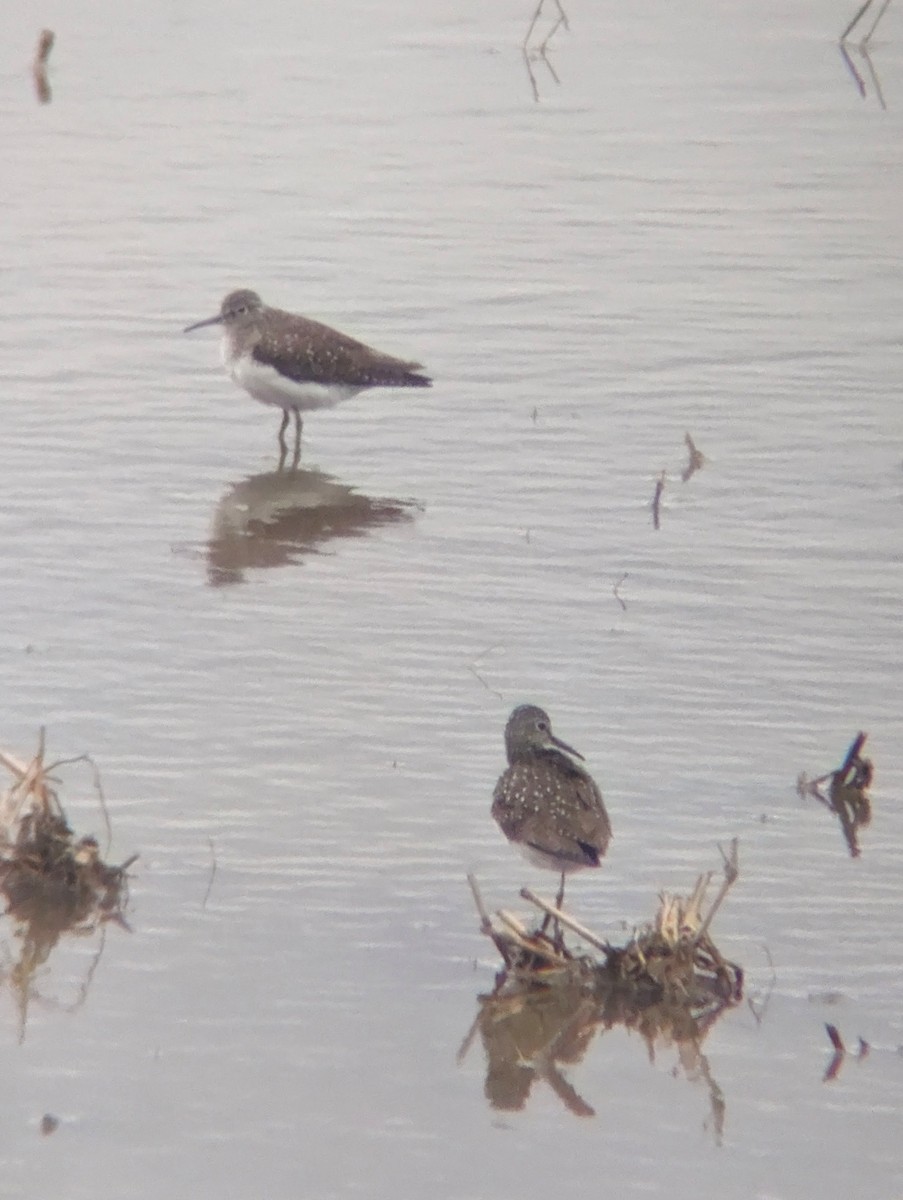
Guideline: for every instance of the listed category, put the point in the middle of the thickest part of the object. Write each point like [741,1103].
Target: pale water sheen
[699,229]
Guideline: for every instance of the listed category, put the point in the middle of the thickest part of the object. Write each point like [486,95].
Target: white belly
[548,862]
[269,387]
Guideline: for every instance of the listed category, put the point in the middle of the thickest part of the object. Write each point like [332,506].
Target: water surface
[697,229]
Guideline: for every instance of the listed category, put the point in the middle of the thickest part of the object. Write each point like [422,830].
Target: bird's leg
[282,429]
[559,901]
[297,453]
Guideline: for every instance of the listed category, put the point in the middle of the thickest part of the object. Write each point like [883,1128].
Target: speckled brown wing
[592,827]
[310,352]
[550,805]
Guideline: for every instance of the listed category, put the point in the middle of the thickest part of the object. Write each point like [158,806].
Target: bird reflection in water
[283,516]
[529,1033]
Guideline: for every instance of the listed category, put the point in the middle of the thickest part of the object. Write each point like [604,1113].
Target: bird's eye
[542,727]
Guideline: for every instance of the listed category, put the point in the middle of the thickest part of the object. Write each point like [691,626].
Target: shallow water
[697,229]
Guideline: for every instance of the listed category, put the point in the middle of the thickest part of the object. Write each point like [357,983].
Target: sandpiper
[546,804]
[297,364]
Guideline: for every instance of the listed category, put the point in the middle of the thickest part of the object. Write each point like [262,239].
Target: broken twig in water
[731,871]
[45,45]
[485,923]
[212,876]
[840,1052]
[847,795]
[860,13]
[657,499]
[836,1040]
[476,674]
[541,51]
[559,21]
[39,66]
[695,461]
[617,591]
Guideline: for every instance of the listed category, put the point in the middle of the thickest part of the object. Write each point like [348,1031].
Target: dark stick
[212,873]
[852,755]
[836,1040]
[852,25]
[616,588]
[657,499]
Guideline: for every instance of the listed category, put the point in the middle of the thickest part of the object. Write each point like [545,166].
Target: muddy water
[303,680]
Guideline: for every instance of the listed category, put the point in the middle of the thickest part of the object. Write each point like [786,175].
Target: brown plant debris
[47,874]
[847,796]
[617,591]
[695,460]
[671,957]
[39,66]
[836,1040]
[669,984]
[840,1052]
[45,45]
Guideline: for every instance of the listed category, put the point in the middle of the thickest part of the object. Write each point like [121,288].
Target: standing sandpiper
[546,804]
[297,364]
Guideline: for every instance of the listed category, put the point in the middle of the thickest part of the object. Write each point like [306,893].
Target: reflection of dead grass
[669,983]
[52,882]
[847,796]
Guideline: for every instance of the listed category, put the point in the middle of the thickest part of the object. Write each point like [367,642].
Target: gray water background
[697,229]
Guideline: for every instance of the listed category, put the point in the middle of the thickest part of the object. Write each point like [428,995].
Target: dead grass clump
[672,958]
[669,983]
[46,873]
[674,955]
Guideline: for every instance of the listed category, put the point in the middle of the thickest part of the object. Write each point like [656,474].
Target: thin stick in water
[212,873]
[616,591]
[657,500]
[731,872]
